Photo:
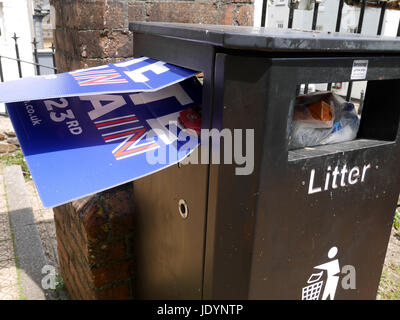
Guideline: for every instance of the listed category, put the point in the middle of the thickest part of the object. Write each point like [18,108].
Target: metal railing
[19,61]
[362,4]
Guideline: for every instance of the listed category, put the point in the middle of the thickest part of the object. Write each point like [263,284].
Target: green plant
[396,221]
[59,283]
[16,158]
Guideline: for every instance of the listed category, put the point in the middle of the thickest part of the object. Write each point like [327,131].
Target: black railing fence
[19,61]
[383,5]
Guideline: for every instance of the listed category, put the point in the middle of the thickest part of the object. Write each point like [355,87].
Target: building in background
[16,18]
[43,34]
[277,17]
[27,20]
[41,24]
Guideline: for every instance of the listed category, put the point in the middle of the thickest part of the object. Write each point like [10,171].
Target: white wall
[391,23]
[17,17]
[257,12]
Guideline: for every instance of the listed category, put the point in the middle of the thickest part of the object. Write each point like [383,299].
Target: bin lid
[266,39]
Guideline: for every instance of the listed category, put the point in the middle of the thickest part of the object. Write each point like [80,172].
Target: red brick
[86,15]
[227,14]
[69,285]
[69,16]
[118,292]
[136,11]
[244,15]
[106,215]
[101,253]
[82,287]
[67,222]
[69,274]
[58,8]
[77,275]
[113,273]
[94,220]
[90,44]
[59,39]
[88,63]
[130,243]
[115,15]
[71,256]
[71,235]
[85,255]
[72,253]
[90,15]
[104,44]
[109,214]
[121,209]
[63,61]
[91,255]
[70,43]
[237,1]
[206,13]
[118,44]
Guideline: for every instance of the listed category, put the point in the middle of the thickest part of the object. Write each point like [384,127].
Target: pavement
[28,247]
[9,284]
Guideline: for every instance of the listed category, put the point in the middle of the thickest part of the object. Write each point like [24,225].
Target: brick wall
[93,234]
[94,32]
[93,239]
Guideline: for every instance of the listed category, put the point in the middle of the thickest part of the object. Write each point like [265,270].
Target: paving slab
[28,245]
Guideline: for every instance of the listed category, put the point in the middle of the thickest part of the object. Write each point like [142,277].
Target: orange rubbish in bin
[321,111]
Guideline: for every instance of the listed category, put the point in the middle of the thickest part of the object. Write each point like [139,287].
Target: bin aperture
[307,137]
[322,118]
[89,130]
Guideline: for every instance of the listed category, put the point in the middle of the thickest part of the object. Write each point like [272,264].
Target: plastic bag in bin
[322,118]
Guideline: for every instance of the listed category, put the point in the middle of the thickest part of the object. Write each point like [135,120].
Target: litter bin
[312,223]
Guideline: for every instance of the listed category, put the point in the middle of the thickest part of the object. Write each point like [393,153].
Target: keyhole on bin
[183,208]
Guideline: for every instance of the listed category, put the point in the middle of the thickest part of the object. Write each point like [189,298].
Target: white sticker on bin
[359,70]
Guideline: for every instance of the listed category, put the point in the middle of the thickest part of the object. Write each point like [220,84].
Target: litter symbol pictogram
[313,291]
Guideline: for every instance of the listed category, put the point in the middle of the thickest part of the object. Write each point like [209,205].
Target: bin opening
[366,114]
[320,118]
[93,129]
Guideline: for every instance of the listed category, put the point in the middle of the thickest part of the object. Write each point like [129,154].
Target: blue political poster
[77,144]
[135,75]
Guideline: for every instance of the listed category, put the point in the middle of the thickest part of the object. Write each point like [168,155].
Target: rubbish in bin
[322,118]
[191,118]
[89,130]
[316,115]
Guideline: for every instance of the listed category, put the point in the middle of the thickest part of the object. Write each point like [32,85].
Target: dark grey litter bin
[269,235]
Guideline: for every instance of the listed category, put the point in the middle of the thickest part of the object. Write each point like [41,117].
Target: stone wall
[90,33]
